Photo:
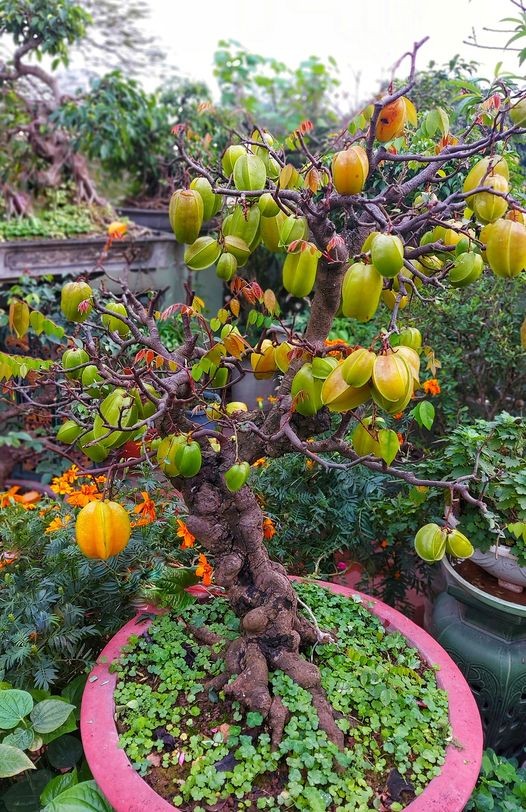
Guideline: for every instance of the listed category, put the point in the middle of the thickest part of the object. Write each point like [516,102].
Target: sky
[366,38]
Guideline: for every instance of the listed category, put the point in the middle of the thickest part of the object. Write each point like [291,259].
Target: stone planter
[156,219]
[486,636]
[127,792]
[500,562]
[149,262]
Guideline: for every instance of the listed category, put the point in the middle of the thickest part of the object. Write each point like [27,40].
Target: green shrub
[57,607]
[501,786]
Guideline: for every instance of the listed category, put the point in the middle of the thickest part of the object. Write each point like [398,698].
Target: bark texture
[260,593]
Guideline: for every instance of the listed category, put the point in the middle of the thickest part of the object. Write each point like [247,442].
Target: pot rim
[497,604]
[126,791]
[502,551]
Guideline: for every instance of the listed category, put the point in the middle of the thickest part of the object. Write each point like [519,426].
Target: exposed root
[245,660]
[278,718]
[251,684]
[205,635]
[307,675]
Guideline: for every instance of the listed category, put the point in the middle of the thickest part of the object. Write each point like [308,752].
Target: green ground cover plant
[388,705]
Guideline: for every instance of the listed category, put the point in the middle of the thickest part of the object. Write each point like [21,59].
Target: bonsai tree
[361,223]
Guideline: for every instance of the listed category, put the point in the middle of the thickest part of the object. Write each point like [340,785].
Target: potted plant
[495,449]
[350,236]
[195,756]
[480,618]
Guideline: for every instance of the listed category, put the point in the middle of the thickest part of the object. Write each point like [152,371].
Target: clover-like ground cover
[197,751]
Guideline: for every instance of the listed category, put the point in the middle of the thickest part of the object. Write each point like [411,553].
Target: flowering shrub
[56,606]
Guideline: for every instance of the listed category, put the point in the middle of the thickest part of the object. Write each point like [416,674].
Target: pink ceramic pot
[127,792]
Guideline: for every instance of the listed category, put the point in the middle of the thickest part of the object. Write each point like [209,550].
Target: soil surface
[478,577]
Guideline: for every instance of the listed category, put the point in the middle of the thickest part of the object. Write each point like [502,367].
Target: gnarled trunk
[230,526]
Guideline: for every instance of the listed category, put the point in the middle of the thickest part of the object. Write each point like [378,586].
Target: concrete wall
[151,262]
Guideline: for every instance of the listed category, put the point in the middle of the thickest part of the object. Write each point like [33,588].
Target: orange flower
[401,438]
[87,493]
[335,342]
[431,387]
[117,230]
[72,474]
[310,463]
[58,523]
[260,463]
[204,570]
[8,498]
[11,497]
[269,531]
[146,509]
[184,534]
[384,543]
[142,522]
[61,485]
[272,399]
[398,415]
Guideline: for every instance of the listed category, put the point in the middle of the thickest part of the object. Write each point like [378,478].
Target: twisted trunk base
[261,595]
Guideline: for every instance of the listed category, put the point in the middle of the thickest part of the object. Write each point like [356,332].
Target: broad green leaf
[14,706]
[389,444]
[64,752]
[518,529]
[22,737]
[197,371]
[52,329]
[24,796]
[50,714]
[424,414]
[13,761]
[58,785]
[85,797]
[37,319]
[437,120]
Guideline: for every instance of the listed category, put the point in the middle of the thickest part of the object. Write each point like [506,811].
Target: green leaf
[68,726]
[24,796]
[315,799]
[254,719]
[518,529]
[58,785]
[85,797]
[52,329]
[74,690]
[436,120]
[215,324]
[13,761]
[64,752]
[197,371]
[50,714]
[22,737]
[171,586]
[389,445]
[14,705]
[424,414]
[37,319]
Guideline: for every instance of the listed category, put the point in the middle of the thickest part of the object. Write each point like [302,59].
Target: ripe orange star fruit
[102,529]
[350,168]
[392,120]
